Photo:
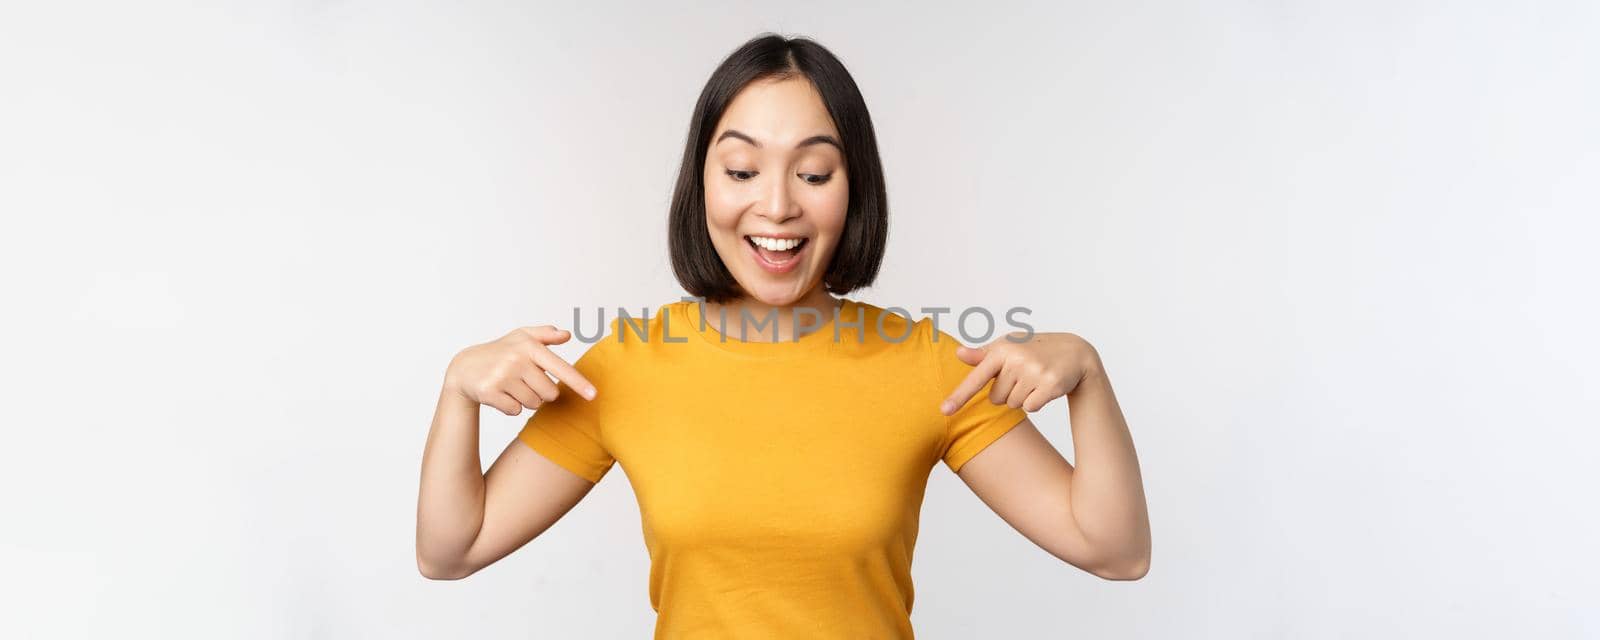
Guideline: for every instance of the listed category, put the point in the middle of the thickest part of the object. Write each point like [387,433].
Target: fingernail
[588,394]
[945,408]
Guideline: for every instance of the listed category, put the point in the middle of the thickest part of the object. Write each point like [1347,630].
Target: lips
[777,255]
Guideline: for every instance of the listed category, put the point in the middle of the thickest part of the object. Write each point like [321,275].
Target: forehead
[781,111]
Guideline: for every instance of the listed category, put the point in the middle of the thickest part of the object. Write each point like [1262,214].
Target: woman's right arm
[468,519]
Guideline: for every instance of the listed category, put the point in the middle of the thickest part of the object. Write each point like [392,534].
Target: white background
[1337,257]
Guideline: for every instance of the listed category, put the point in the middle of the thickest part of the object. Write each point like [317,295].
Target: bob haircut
[855,261]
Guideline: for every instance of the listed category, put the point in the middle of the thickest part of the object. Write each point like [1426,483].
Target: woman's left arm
[1092,516]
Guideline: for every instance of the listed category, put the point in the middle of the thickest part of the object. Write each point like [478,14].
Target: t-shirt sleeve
[567,431]
[978,423]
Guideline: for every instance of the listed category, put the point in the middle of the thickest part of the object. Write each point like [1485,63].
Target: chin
[775,294]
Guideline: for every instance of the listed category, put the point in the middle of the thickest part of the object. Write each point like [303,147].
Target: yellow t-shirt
[779,484]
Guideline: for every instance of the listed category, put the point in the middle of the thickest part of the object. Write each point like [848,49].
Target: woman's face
[776,189]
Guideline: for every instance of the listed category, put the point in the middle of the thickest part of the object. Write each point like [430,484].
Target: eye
[740,176]
[813,178]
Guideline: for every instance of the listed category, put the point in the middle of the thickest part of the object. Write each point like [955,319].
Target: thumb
[970,355]
[558,336]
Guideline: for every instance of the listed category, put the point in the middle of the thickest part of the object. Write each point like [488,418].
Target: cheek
[722,207]
[827,207]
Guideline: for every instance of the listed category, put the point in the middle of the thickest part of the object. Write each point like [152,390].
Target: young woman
[780,471]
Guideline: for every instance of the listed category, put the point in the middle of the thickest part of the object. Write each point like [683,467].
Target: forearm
[1108,502]
[450,503]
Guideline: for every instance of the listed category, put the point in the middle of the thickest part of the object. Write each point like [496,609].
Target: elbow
[1126,570]
[1131,564]
[437,572]
[1128,567]
[433,569]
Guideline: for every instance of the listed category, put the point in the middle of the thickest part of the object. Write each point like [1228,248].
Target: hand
[1028,374]
[514,371]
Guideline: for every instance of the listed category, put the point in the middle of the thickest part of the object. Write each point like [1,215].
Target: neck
[785,317]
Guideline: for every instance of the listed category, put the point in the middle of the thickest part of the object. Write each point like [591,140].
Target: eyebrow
[822,139]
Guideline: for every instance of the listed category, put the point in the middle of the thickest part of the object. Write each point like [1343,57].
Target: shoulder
[908,328]
[633,330]
[932,334]
[919,342]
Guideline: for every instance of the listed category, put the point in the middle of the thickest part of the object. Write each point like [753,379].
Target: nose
[777,204]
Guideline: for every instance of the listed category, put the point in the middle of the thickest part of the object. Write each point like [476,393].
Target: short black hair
[855,262]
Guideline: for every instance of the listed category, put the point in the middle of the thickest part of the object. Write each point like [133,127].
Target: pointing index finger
[566,373]
[970,386]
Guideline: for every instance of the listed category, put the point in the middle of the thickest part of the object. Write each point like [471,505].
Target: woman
[780,471]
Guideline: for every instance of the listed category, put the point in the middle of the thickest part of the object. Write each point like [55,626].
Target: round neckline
[815,341]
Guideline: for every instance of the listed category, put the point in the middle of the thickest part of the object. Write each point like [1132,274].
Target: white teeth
[775,244]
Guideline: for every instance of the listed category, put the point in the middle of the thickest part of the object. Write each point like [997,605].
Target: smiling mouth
[776,254]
